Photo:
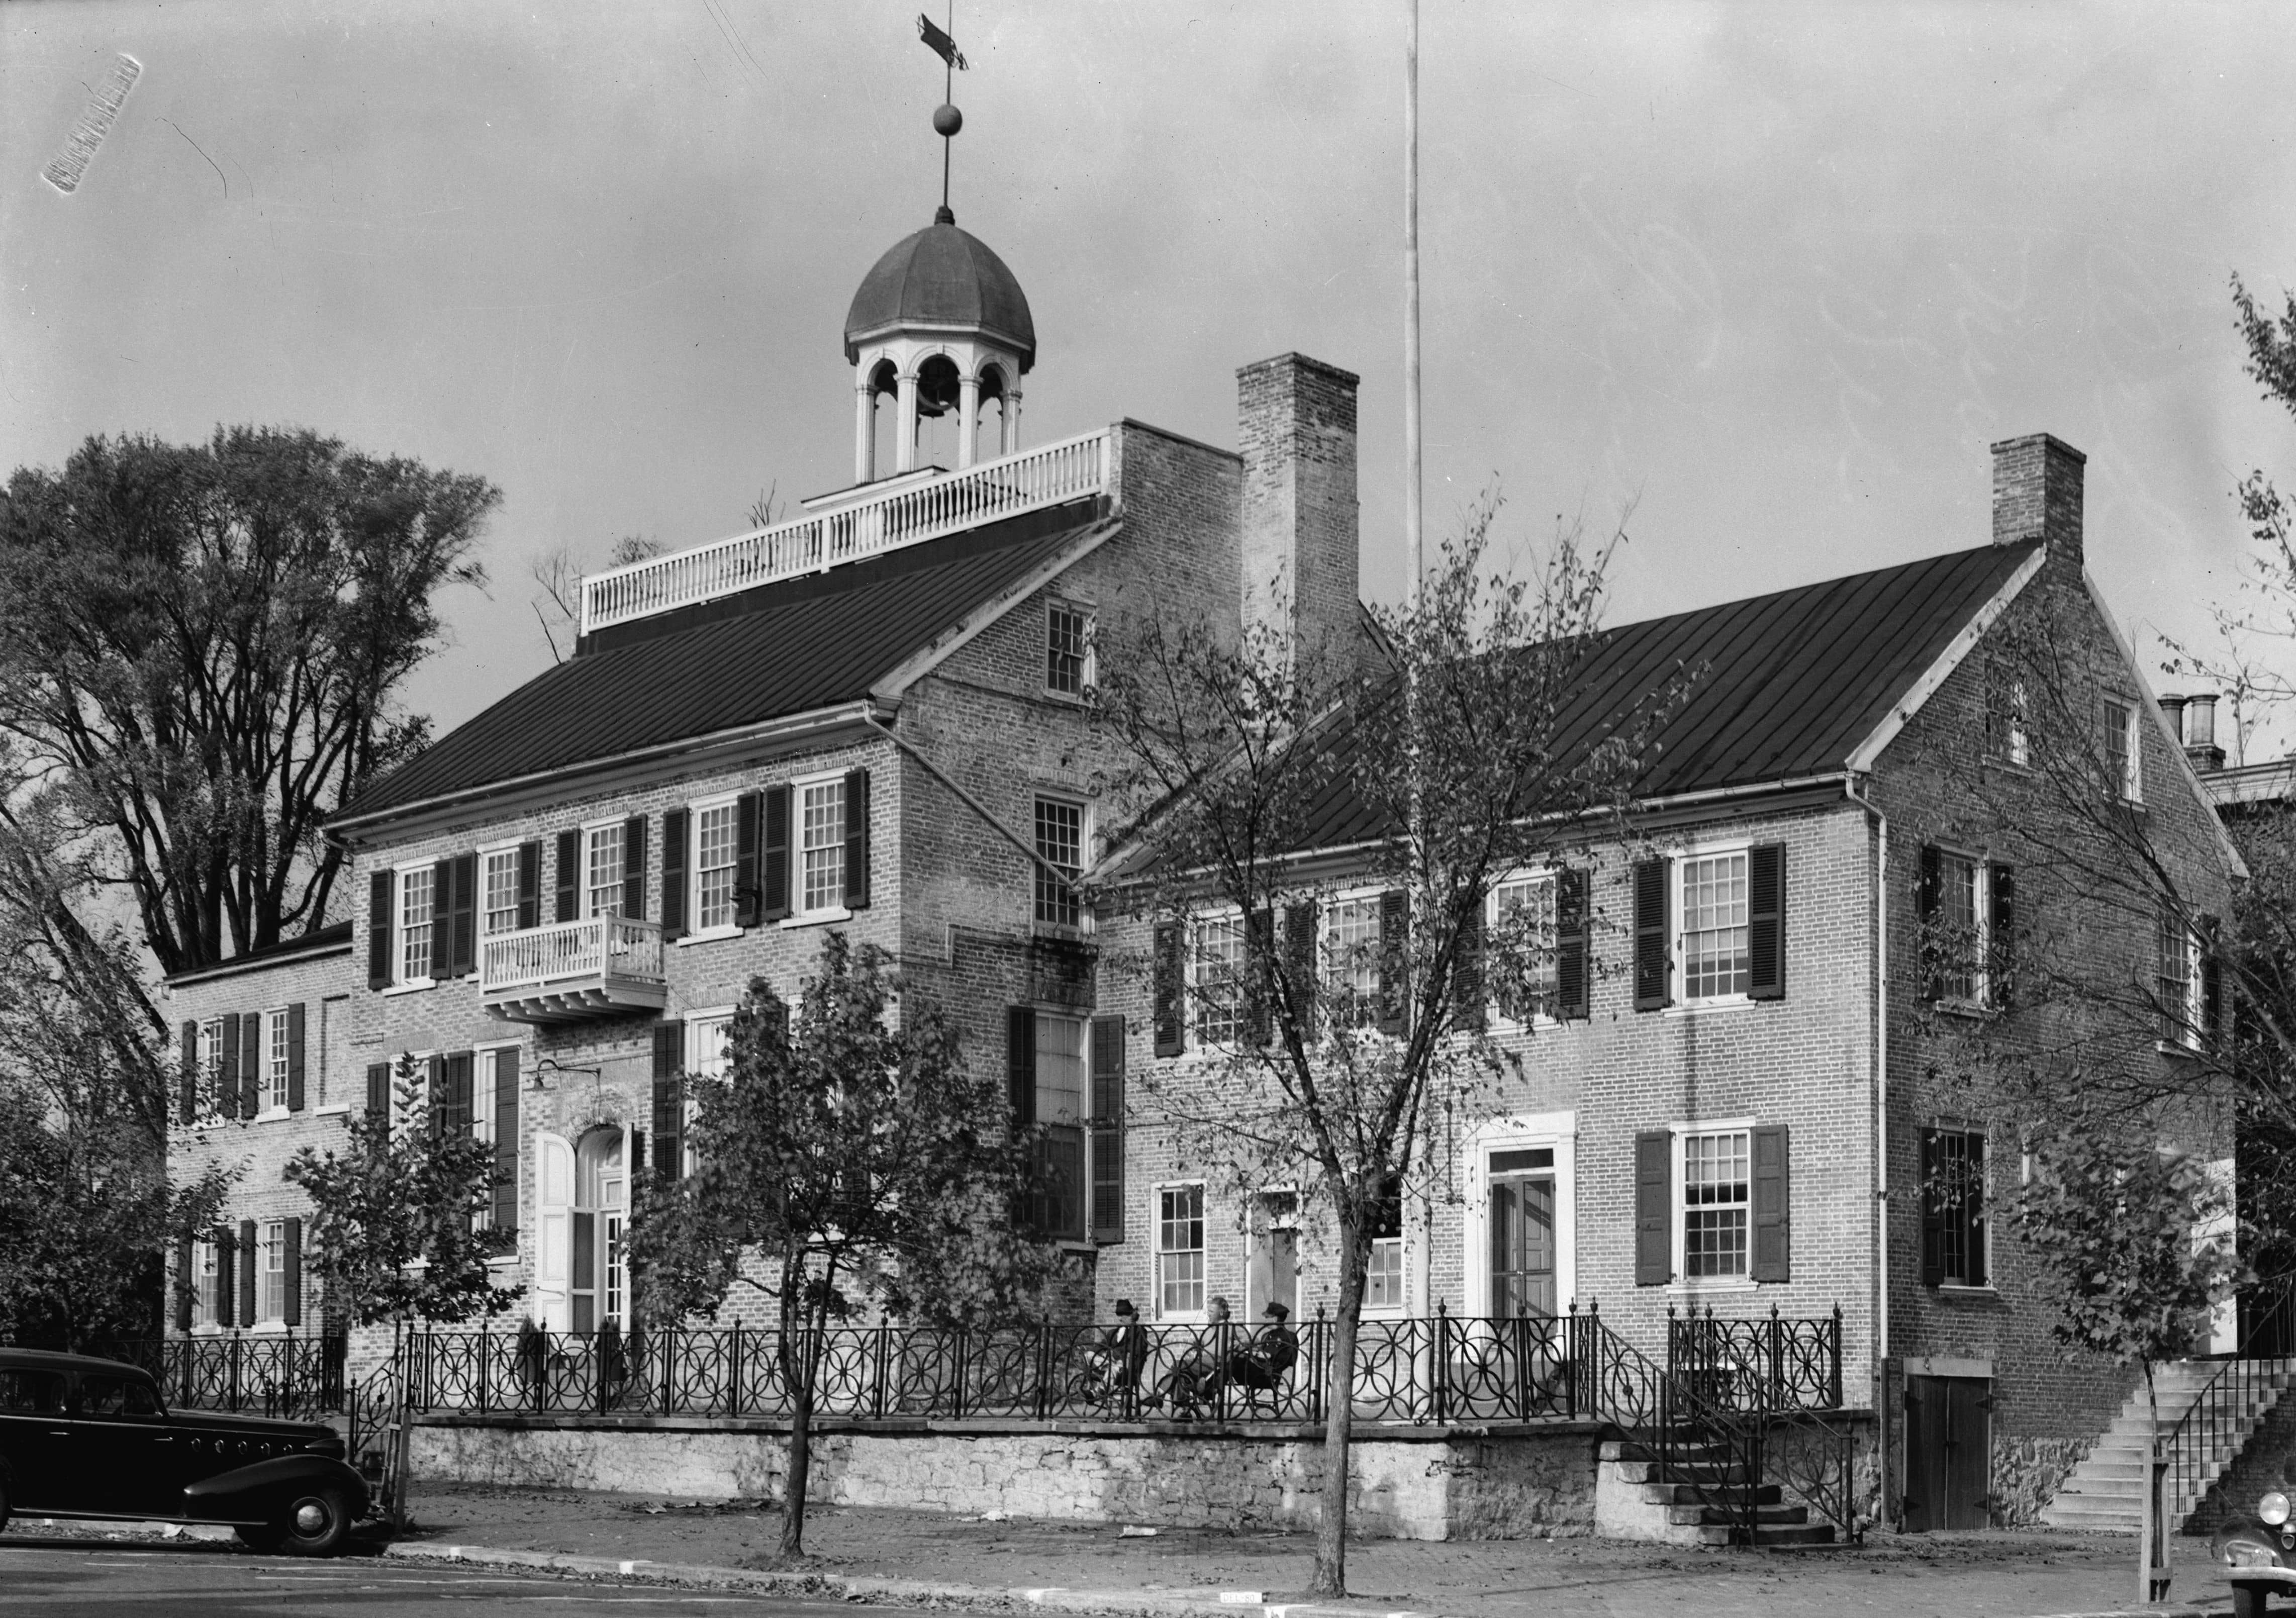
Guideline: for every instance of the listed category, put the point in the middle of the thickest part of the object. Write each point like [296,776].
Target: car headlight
[2273,1507]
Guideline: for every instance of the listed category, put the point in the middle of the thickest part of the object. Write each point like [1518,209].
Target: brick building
[1726,1095]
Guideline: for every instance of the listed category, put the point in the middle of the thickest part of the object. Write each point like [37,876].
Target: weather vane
[947,120]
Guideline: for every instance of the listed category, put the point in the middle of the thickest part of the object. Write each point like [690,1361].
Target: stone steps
[2105,1492]
[1701,1495]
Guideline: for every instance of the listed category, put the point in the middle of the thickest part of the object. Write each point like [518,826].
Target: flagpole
[1414,561]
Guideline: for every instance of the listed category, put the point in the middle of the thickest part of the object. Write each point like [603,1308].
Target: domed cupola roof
[941,278]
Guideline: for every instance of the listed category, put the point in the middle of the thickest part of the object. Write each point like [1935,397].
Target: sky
[1767,279]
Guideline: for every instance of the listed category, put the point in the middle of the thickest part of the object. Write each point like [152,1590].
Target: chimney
[1297,429]
[2200,732]
[2037,494]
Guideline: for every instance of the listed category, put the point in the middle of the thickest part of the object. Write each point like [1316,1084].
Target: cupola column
[905,449]
[1008,432]
[968,418]
[864,431]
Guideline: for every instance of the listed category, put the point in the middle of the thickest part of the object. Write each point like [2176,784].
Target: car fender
[245,1493]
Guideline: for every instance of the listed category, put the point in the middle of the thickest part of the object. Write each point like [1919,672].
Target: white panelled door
[554,1232]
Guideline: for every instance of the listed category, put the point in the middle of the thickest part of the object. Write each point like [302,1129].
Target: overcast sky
[1775,273]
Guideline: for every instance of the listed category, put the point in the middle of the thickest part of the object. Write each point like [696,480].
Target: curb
[1208,1604]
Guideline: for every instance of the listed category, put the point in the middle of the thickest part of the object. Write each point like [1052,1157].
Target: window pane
[274,1048]
[1064,652]
[1217,972]
[1060,843]
[708,1054]
[1351,955]
[1715,1200]
[273,1303]
[825,845]
[502,891]
[1059,1070]
[713,867]
[2180,1017]
[414,924]
[1960,1195]
[1714,959]
[1522,948]
[1383,1280]
[605,883]
[1180,1250]
[1957,924]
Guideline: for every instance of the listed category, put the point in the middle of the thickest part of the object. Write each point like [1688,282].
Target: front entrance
[1948,1452]
[600,1211]
[1271,1268]
[1522,1233]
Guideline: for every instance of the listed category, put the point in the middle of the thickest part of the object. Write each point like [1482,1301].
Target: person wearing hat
[1261,1364]
[1125,1346]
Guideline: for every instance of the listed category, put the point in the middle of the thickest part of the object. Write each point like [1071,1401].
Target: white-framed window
[1180,1252]
[2016,743]
[1351,954]
[1960,921]
[821,848]
[1385,1292]
[1068,649]
[1060,843]
[414,909]
[205,1273]
[1520,922]
[500,913]
[2123,767]
[270,1290]
[209,1056]
[715,844]
[1716,1202]
[2180,983]
[1215,979]
[1711,907]
[1062,1089]
[274,1059]
[602,870]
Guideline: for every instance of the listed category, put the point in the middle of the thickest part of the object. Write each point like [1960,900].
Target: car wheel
[3,1503]
[315,1523]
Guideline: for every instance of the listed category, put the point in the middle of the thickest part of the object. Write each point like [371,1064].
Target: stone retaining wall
[1429,1483]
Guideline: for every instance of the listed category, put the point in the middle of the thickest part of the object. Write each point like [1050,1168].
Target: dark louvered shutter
[1394,963]
[378,1088]
[1773,1205]
[227,1062]
[1171,940]
[1653,949]
[466,916]
[1573,989]
[187,1095]
[749,893]
[291,1311]
[634,867]
[505,1100]
[1973,1209]
[669,1100]
[638,1158]
[434,1094]
[379,891]
[569,877]
[1259,975]
[295,1057]
[1021,1064]
[462,1069]
[857,840]
[253,1059]
[1107,1130]
[530,884]
[773,857]
[2212,985]
[1653,1208]
[1467,973]
[442,920]
[1932,1211]
[2001,937]
[1765,922]
[250,1263]
[1926,907]
[1299,963]
[226,1290]
[187,1284]
[673,872]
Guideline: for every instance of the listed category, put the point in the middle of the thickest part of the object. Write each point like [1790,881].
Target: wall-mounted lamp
[552,1064]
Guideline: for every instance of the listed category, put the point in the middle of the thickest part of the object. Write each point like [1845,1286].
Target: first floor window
[1060,844]
[1180,1250]
[414,903]
[823,872]
[604,894]
[2179,980]
[1952,1207]
[271,1304]
[1717,1199]
[1714,959]
[1215,981]
[502,891]
[1383,1278]
[1522,935]
[714,834]
[204,1274]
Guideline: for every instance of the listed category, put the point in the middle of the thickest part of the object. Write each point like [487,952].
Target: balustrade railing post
[486,1369]
[1833,1360]
[1774,1393]
[958,1357]
[884,1347]
[1319,1362]
[1439,1367]
[1042,1403]
[733,1372]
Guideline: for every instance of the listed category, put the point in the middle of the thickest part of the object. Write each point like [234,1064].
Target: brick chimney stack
[1297,430]
[2037,494]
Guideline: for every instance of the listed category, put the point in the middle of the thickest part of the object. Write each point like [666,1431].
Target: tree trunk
[801,1455]
[1330,1577]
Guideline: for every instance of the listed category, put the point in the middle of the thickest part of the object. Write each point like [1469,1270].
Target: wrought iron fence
[1778,1363]
[286,1376]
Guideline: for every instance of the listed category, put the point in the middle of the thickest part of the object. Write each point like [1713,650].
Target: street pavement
[75,1579]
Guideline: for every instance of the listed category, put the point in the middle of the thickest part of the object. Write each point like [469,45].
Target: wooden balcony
[605,966]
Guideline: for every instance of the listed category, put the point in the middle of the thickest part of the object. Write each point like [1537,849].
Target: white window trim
[278,1322]
[2190,1035]
[333,1110]
[1500,1022]
[1091,673]
[838,912]
[1082,926]
[590,828]
[398,874]
[1156,1251]
[1326,924]
[1523,1131]
[275,1109]
[1198,1049]
[1981,972]
[1678,1003]
[2131,786]
[486,851]
[694,1020]
[1683,1283]
[694,813]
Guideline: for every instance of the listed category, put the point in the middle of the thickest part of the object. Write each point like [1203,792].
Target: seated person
[1261,1364]
[1196,1379]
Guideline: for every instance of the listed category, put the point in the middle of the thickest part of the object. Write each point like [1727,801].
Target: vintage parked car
[2257,1547]
[92,1438]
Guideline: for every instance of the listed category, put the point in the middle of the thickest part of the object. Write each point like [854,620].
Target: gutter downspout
[1881,1211]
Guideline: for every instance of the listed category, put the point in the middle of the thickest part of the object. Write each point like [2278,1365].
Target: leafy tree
[396,1230]
[199,647]
[1463,754]
[858,1158]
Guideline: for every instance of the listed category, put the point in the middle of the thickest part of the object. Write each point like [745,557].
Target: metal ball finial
[947,120]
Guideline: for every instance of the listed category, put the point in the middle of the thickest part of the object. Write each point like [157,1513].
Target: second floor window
[1716,1200]
[1060,843]
[603,896]
[502,891]
[2123,776]
[821,871]
[1960,946]
[1215,981]
[714,850]
[414,924]
[2178,984]
[1522,924]
[274,1059]
[1715,962]
[1067,631]
[1352,938]
[210,1066]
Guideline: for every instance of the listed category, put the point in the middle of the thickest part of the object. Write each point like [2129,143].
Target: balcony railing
[599,966]
[847,531]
